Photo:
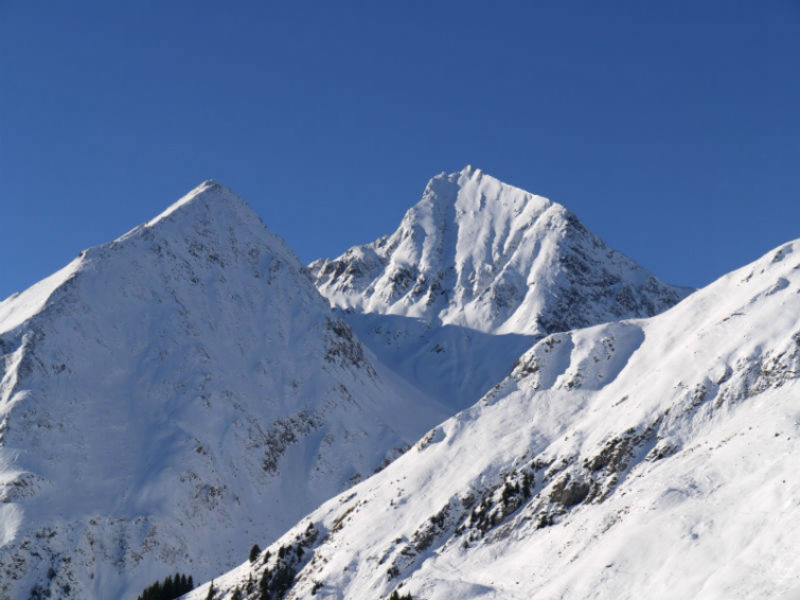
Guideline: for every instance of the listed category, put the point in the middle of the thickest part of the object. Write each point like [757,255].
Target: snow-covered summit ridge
[479,253]
[209,207]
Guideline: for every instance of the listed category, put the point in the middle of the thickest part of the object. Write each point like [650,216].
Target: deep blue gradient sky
[671,130]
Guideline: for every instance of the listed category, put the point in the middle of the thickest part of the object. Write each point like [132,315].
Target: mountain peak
[187,374]
[474,191]
[479,253]
[461,177]
[210,223]
[211,194]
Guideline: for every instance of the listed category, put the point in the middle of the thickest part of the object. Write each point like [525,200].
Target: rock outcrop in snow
[650,458]
[171,397]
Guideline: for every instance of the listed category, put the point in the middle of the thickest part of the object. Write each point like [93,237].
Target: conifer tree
[172,587]
[254,552]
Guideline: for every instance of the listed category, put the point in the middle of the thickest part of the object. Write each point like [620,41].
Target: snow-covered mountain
[476,273]
[171,397]
[644,458]
[478,253]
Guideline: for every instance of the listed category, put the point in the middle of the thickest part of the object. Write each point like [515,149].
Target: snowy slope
[652,458]
[171,397]
[456,365]
[476,273]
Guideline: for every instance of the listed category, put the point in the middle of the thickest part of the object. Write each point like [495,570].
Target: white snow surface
[172,397]
[645,458]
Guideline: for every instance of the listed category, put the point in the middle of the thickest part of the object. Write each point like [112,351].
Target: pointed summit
[211,206]
[210,224]
[482,254]
[211,195]
[471,185]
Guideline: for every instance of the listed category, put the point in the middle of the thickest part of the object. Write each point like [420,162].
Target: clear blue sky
[672,129]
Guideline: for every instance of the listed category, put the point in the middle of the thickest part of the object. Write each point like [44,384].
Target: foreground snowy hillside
[652,458]
[477,257]
[171,397]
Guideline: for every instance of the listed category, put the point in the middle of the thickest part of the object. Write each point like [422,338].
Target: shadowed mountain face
[480,254]
[171,397]
[454,364]
[647,458]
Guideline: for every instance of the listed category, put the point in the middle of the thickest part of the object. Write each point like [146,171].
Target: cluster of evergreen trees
[172,587]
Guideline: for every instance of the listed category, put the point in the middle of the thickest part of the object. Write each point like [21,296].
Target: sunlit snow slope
[652,458]
[171,397]
[477,272]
